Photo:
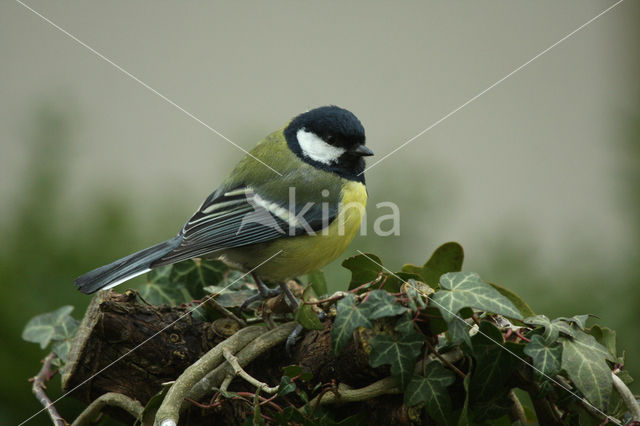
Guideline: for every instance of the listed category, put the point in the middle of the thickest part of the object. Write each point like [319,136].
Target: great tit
[278,226]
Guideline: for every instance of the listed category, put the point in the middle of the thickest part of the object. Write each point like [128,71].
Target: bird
[290,206]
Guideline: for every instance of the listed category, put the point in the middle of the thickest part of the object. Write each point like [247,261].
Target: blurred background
[538,178]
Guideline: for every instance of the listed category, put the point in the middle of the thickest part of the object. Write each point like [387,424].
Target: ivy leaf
[546,357]
[305,315]
[381,304]
[417,293]
[232,280]
[605,336]
[466,289]
[458,332]
[552,329]
[61,349]
[364,268]
[159,289]
[492,407]
[464,419]
[447,258]
[349,318]
[579,320]
[235,298]
[517,301]
[63,334]
[149,411]
[494,363]
[400,351]
[296,370]
[195,274]
[318,282]
[393,282]
[49,326]
[286,386]
[432,391]
[583,358]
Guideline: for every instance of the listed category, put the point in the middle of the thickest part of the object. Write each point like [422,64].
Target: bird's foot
[264,292]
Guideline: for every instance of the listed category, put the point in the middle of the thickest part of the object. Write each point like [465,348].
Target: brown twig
[335,297]
[224,311]
[39,386]
[521,336]
[444,360]
[370,283]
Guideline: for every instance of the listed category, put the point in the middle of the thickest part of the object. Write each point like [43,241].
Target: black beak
[361,151]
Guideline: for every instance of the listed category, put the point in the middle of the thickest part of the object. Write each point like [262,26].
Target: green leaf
[606,337]
[517,301]
[46,327]
[464,419]
[432,391]
[458,331]
[364,268]
[159,289]
[295,370]
[466,289]
[400,351]
[417,293]
[579,320]
[305,315]
[318,282]
[348,318]
[583,358]
[149,411]
[495,362]
[393,282]
[286,386]
[63,334]
[491,407]
[195,274]
[552,329]
[447,258]
[234,298]
[61,349]
[546,357]
[381,304]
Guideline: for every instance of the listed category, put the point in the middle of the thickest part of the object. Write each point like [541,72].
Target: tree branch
[112,399]
[517,410]
[251,351]
[345,394]
[627,397]
[39,386]
[169,411]
[237,369]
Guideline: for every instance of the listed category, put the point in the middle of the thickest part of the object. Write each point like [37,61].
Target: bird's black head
[330,138]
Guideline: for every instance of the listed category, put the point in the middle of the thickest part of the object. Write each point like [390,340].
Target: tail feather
[124,269]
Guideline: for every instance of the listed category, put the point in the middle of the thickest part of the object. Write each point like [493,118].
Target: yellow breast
[302,254]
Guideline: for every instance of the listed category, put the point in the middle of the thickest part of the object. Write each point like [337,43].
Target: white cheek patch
[317,149]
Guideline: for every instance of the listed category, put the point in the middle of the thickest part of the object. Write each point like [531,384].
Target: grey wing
[241,217]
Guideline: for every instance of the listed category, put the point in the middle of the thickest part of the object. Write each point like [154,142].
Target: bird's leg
[264,292]
[292,299]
